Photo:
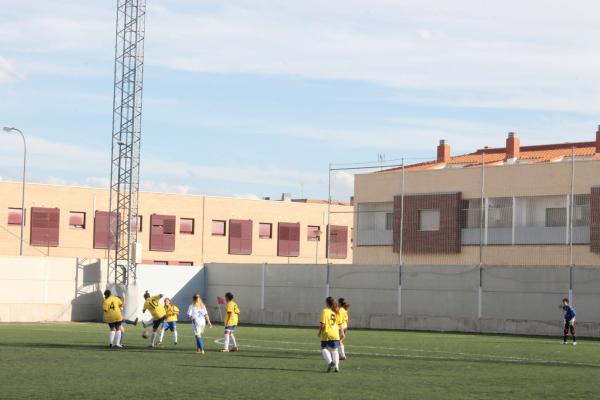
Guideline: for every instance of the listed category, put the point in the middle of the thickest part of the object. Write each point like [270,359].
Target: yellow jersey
[343,318]
[231,319]
[330,321]
[112,309]
[172,313]
[153,305]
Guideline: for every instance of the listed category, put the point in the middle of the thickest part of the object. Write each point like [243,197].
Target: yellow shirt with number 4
[172,313]
[331,325]
[112,309]
[153,305]
[232,312]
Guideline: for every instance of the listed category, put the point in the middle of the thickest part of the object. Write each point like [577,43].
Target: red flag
[220,300]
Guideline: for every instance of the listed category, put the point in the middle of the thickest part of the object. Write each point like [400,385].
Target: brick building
[515,205]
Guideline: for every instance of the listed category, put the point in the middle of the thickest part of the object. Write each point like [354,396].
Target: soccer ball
[145,334]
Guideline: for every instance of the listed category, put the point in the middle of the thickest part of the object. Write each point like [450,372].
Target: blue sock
[199,343]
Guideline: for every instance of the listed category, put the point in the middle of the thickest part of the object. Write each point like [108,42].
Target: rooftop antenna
[381,160]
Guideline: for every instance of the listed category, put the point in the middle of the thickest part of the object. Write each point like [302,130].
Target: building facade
[517,205]
[175,229]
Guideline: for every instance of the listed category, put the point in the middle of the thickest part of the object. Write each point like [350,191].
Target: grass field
[63,361]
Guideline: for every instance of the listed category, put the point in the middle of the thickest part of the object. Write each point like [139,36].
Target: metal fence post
[399,289]
[262,288]
[480,294]
[327,281]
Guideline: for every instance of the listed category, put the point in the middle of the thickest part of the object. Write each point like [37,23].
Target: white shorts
[198,326]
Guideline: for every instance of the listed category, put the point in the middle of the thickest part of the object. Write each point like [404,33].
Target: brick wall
[445,240]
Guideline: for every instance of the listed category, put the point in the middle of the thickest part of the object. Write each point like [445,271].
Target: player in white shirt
[199,316]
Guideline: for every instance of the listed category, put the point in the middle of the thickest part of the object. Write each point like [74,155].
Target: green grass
[63,361]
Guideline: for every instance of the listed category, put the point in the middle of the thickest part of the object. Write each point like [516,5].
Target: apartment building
[176,229]
[515,205]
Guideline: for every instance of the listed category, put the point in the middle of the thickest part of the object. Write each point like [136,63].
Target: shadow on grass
[312,371]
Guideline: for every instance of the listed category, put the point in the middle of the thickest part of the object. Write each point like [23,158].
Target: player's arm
[228,317]
[105,307]
[208,320]
[321,328]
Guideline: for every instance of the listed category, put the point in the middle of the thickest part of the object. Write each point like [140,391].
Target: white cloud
[8,73]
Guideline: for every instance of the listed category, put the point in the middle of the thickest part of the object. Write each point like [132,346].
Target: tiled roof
[497,156]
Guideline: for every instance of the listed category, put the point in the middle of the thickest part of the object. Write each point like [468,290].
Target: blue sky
[255,98]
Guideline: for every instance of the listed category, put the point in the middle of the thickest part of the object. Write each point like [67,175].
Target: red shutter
[186,226]
[44,226]
[162,232]
[235,236]
[288,239]
[246,239]
[338,242]
[14,216]
[102,230]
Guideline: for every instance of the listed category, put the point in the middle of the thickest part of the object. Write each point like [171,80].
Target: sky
[255,98]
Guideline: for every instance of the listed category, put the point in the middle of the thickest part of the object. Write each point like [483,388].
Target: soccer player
[232,312]
[329,332]
[112,306]
[171,321]
[569,317]
[344,306]
[158,313]
[199,316]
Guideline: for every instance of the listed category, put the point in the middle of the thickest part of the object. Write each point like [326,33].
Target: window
[186,226]
[44,226]
[162,232]
[556,217]
[429,220]
[240,237]
[218,228]
[500,212]
[77,220]
[288,239]
[15,216]
[338,242]
[265,230]
[139,223]
[389,221]
[102,227]
[314,233]
[581,210]
[158,262]
[186,263]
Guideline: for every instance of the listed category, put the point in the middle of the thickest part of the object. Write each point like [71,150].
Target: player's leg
[335,356]
[174,330]
[565,332]
[118,334]
[163,328]
[111,335]
[122,336]
[342,349]
[155,325]
[233,341]
[326,355]
[226,340]
[572,328]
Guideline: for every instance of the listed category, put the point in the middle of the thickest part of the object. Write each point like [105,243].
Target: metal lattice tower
[126,135]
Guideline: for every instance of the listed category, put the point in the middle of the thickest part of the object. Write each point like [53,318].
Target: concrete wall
[199,248]
[441,298]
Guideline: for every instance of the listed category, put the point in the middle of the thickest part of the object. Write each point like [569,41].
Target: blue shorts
[230,328]
[330,344]
[115,325]
[170,325]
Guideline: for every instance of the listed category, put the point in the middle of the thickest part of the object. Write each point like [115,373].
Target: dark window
[218,227]
[556,217]
[158,262]
[162,232]
[14,216]
[45,226]
[265,230]
[186,263]
[429,220]
[313,232]
[77,219]
[338,241]
[186,226]
[102,235]
[139,223]
[240,236]
[288,239]
[389,221]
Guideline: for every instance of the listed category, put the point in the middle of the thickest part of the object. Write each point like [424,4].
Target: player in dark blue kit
[569,317]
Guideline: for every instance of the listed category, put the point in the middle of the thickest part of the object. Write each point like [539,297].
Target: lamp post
[318,234]
[10,130]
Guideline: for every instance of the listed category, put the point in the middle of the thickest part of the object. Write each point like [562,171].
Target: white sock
[336,357]
[153,338]
[118,338]
[111,337]
[233,340]
[226,342]
[342,350]
[175,336]
[122,337]
[162,334]
[326,356]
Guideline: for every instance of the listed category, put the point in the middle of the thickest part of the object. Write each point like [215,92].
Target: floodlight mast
[126,137]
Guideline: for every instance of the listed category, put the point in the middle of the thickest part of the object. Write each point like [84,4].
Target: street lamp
[318,234]
[11,130]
